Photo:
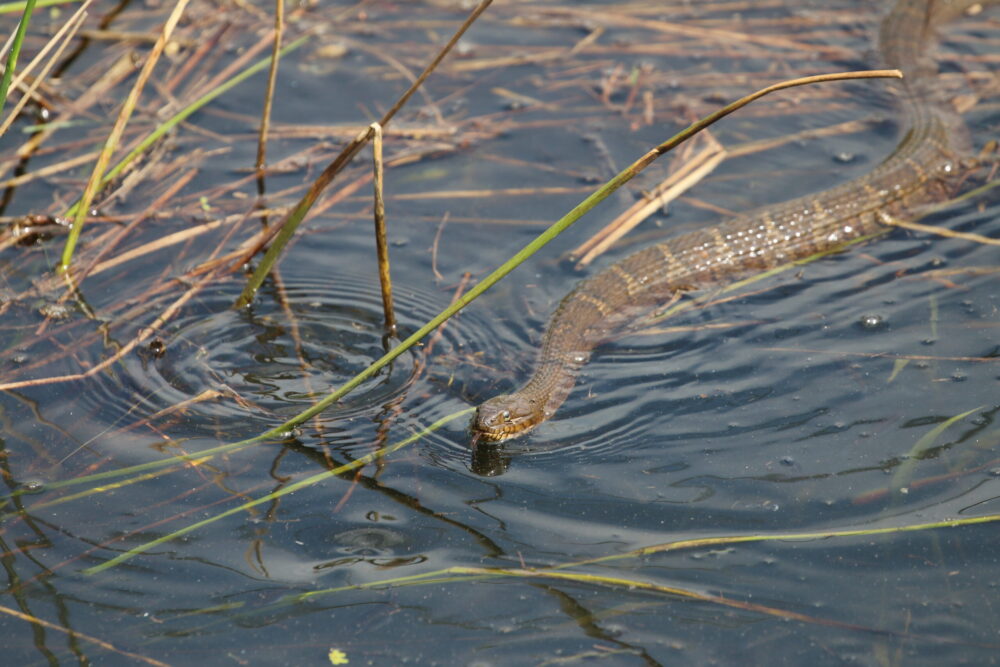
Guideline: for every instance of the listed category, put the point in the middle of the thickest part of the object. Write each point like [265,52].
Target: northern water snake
[924,168]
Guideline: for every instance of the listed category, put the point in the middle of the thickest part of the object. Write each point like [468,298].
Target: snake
[926,167]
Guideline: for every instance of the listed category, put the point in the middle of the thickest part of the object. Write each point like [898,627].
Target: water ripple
[218,369]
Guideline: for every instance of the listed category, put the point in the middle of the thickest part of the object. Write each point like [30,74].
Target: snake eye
[505,415]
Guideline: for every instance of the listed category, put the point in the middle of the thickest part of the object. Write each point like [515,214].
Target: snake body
[924,168]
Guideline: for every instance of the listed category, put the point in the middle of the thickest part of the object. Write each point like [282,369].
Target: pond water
[806,469]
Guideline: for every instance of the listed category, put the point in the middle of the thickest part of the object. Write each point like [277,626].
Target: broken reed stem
[111,144]
[381,247]
[272,77]
[286,228]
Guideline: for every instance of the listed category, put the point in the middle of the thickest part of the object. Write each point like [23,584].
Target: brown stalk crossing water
[924,168]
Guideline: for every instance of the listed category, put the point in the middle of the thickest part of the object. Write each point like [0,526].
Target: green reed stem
[291,488]
[11,7]
[456,574]
[15,51]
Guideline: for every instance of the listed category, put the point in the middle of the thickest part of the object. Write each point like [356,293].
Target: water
[810,405]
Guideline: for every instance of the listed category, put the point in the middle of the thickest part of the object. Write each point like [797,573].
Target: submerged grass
[902,477]
[576,572]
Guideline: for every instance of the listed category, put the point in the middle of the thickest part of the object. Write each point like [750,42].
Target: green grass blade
[904,472]
[11,7]
[15,51]
[468,574]
[291,488]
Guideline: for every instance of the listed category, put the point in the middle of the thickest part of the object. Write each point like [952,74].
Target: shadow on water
[789,473]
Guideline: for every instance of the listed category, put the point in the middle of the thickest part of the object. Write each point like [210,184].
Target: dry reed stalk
[49,170]
[62,38]
[752,147]
[37,622]
[144,334]
[690,173]
[939,231]
[146,213]
[395,64]
[272,78]
[381,244]
[112,142]
[282,231]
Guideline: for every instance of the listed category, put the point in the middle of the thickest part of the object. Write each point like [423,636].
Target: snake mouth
[494,435]
[484,431]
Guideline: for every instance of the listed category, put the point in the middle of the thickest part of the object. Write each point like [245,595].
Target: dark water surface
[816,401]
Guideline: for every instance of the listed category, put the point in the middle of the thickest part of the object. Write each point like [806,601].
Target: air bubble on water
[33,486]
[872,321]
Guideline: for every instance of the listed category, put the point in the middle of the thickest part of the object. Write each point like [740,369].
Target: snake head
[506,416]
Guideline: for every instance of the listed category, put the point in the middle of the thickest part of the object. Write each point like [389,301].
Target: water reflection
[490,459]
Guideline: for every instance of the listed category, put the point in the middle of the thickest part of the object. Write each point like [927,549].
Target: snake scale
[924,168]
